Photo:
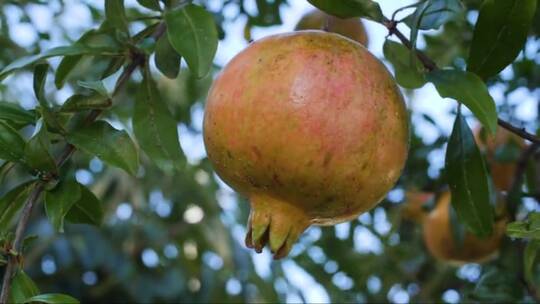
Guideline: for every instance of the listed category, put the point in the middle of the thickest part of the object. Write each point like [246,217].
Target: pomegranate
[310,127]
[352,28]
[440,242]
[502,171]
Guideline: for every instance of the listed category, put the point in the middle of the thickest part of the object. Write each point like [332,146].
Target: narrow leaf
[22,288]
[37,151]
[11,143]
[435,14]
[96,86]
[87,210]
[407,75]
[71,50]
[150,4]
[193,34]
[155,128]
[468,180]
[11,203]
[499,35]
[65,67]
[79,102]
[59,201]
[470,90]
[351,8]
[52,298]
[166,58]
[110,145]
[16,116]
[115,15]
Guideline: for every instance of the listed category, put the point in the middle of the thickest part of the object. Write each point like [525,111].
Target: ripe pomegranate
[352,28]
[440,242]
[502,171]
[310,127]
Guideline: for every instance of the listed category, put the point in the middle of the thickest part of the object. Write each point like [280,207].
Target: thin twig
[19,234]
[430,65]
[137,60]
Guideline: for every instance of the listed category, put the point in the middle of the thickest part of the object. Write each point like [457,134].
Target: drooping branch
[430,65]
[138,59]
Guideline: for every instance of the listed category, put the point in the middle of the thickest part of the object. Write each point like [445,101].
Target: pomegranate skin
[311,127]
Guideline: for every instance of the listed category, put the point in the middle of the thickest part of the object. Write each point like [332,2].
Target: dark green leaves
[22,288]
[11,203]
[79,102]
[408,69]
[468,180]
[470,90]
[499,35]
[75,49]
[192,33]
[166,58]
[529,228]
[434,13]
[115,15]
[37,151]
[351,8]
[150,4]
[112,146]
[59,201]
[87,210]
[73,202]
[52,298]
[15,116]
[155,128]
[11,143]
[529,258]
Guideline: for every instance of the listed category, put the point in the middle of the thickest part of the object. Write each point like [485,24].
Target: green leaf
[22,288]
[65,67]
[407,75]
[530,255]
[468,180]
[351,8]
[499,35]
[53,298]
[96,86]
[87,210]
[166,58]
[11,203]
[40,77]
[16,116]
[529,228]
[115,15]
[75,49]
[497,286]
[457,228]
[114,65]
[193,34]
[434,14]
[112,146]
[470,90]
[150,4]
[155,128]
[37,151]
[11,143]
[59,201]
[79,102]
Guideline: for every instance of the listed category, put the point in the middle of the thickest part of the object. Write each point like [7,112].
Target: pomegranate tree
[310,127]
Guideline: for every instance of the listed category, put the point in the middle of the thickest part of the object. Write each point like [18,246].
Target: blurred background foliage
[178,236]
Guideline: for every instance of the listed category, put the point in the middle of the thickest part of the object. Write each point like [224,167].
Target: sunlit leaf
[193,34]
[350,8]
[470,90]
[499,35]
[59,201]
[112,146]
[467,176]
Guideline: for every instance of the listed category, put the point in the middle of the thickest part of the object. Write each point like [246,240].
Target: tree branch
[430,65]
[137,60]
